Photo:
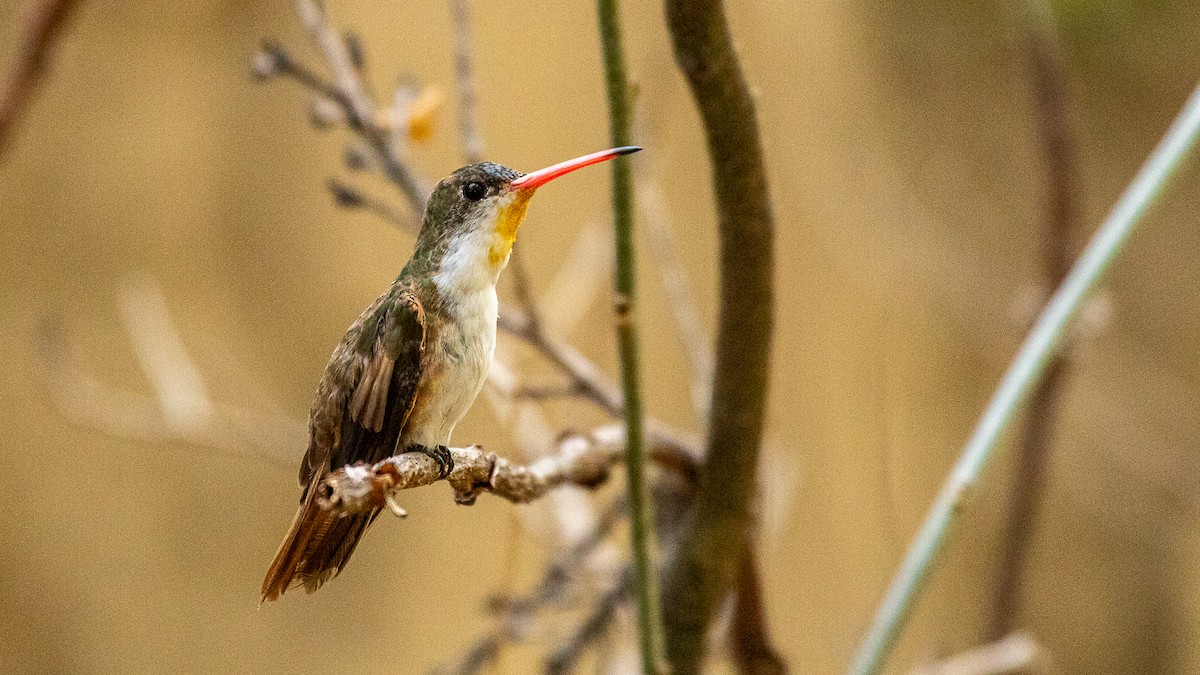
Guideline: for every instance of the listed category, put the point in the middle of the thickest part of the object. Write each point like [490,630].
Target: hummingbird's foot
[440,454]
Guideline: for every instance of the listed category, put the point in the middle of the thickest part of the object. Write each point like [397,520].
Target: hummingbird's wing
[359,412]
[368,388]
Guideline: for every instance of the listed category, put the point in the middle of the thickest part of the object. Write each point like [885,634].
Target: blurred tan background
[908,186]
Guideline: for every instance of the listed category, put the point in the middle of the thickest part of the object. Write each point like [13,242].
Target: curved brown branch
[702,571]
[40,32]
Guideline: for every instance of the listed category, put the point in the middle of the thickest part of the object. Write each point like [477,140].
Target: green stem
[1023,375]
[641,510]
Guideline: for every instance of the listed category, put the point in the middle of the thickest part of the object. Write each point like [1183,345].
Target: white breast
[464,346]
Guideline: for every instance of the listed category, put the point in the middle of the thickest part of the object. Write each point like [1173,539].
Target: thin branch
[547,392]
[700,574]
[590,380]
[181,410]
[1049,83]
[641,508]
[39,36]
[676,283]
[1026,371]
[350,197]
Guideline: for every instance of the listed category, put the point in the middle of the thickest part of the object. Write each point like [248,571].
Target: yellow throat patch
[507,222]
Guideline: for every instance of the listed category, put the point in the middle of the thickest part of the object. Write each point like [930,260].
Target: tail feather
[316,548]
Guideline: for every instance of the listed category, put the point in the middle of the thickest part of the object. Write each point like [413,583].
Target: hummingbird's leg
[439,453]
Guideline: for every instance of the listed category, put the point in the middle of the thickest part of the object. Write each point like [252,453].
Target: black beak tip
[628,150]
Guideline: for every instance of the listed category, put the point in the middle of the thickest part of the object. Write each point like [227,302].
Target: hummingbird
[412,363]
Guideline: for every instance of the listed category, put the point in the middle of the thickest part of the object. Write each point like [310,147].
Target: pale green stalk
[1022,377]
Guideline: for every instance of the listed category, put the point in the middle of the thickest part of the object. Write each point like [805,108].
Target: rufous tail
[316,548]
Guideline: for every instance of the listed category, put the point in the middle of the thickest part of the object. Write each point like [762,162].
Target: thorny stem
[1027,369]
[701,571]
[645,575]
[1048,81]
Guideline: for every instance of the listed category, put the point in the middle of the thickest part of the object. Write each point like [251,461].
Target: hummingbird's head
[473,215]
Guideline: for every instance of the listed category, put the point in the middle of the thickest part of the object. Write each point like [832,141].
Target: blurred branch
[582,460]
[1049,84]
[464,79]
[700,573]
[680,297]
[594,384]
[182,409]
[472,140]
[1014,653]
[352,94]
[39,36]
[1023,375]
[517,613]
[350,197]
[565,658]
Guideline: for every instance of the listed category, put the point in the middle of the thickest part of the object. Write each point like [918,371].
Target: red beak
[540,177]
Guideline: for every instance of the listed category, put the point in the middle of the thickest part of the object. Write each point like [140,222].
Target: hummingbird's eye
[474,191]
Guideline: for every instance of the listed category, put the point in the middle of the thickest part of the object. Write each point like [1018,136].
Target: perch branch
[1048,81]
[583,460]
[700,572]
[38,37]
[1026,370]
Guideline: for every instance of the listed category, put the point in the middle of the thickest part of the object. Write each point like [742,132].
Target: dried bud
[358,158]
[354,46]
[268,61]
[346,196]
[325,113]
